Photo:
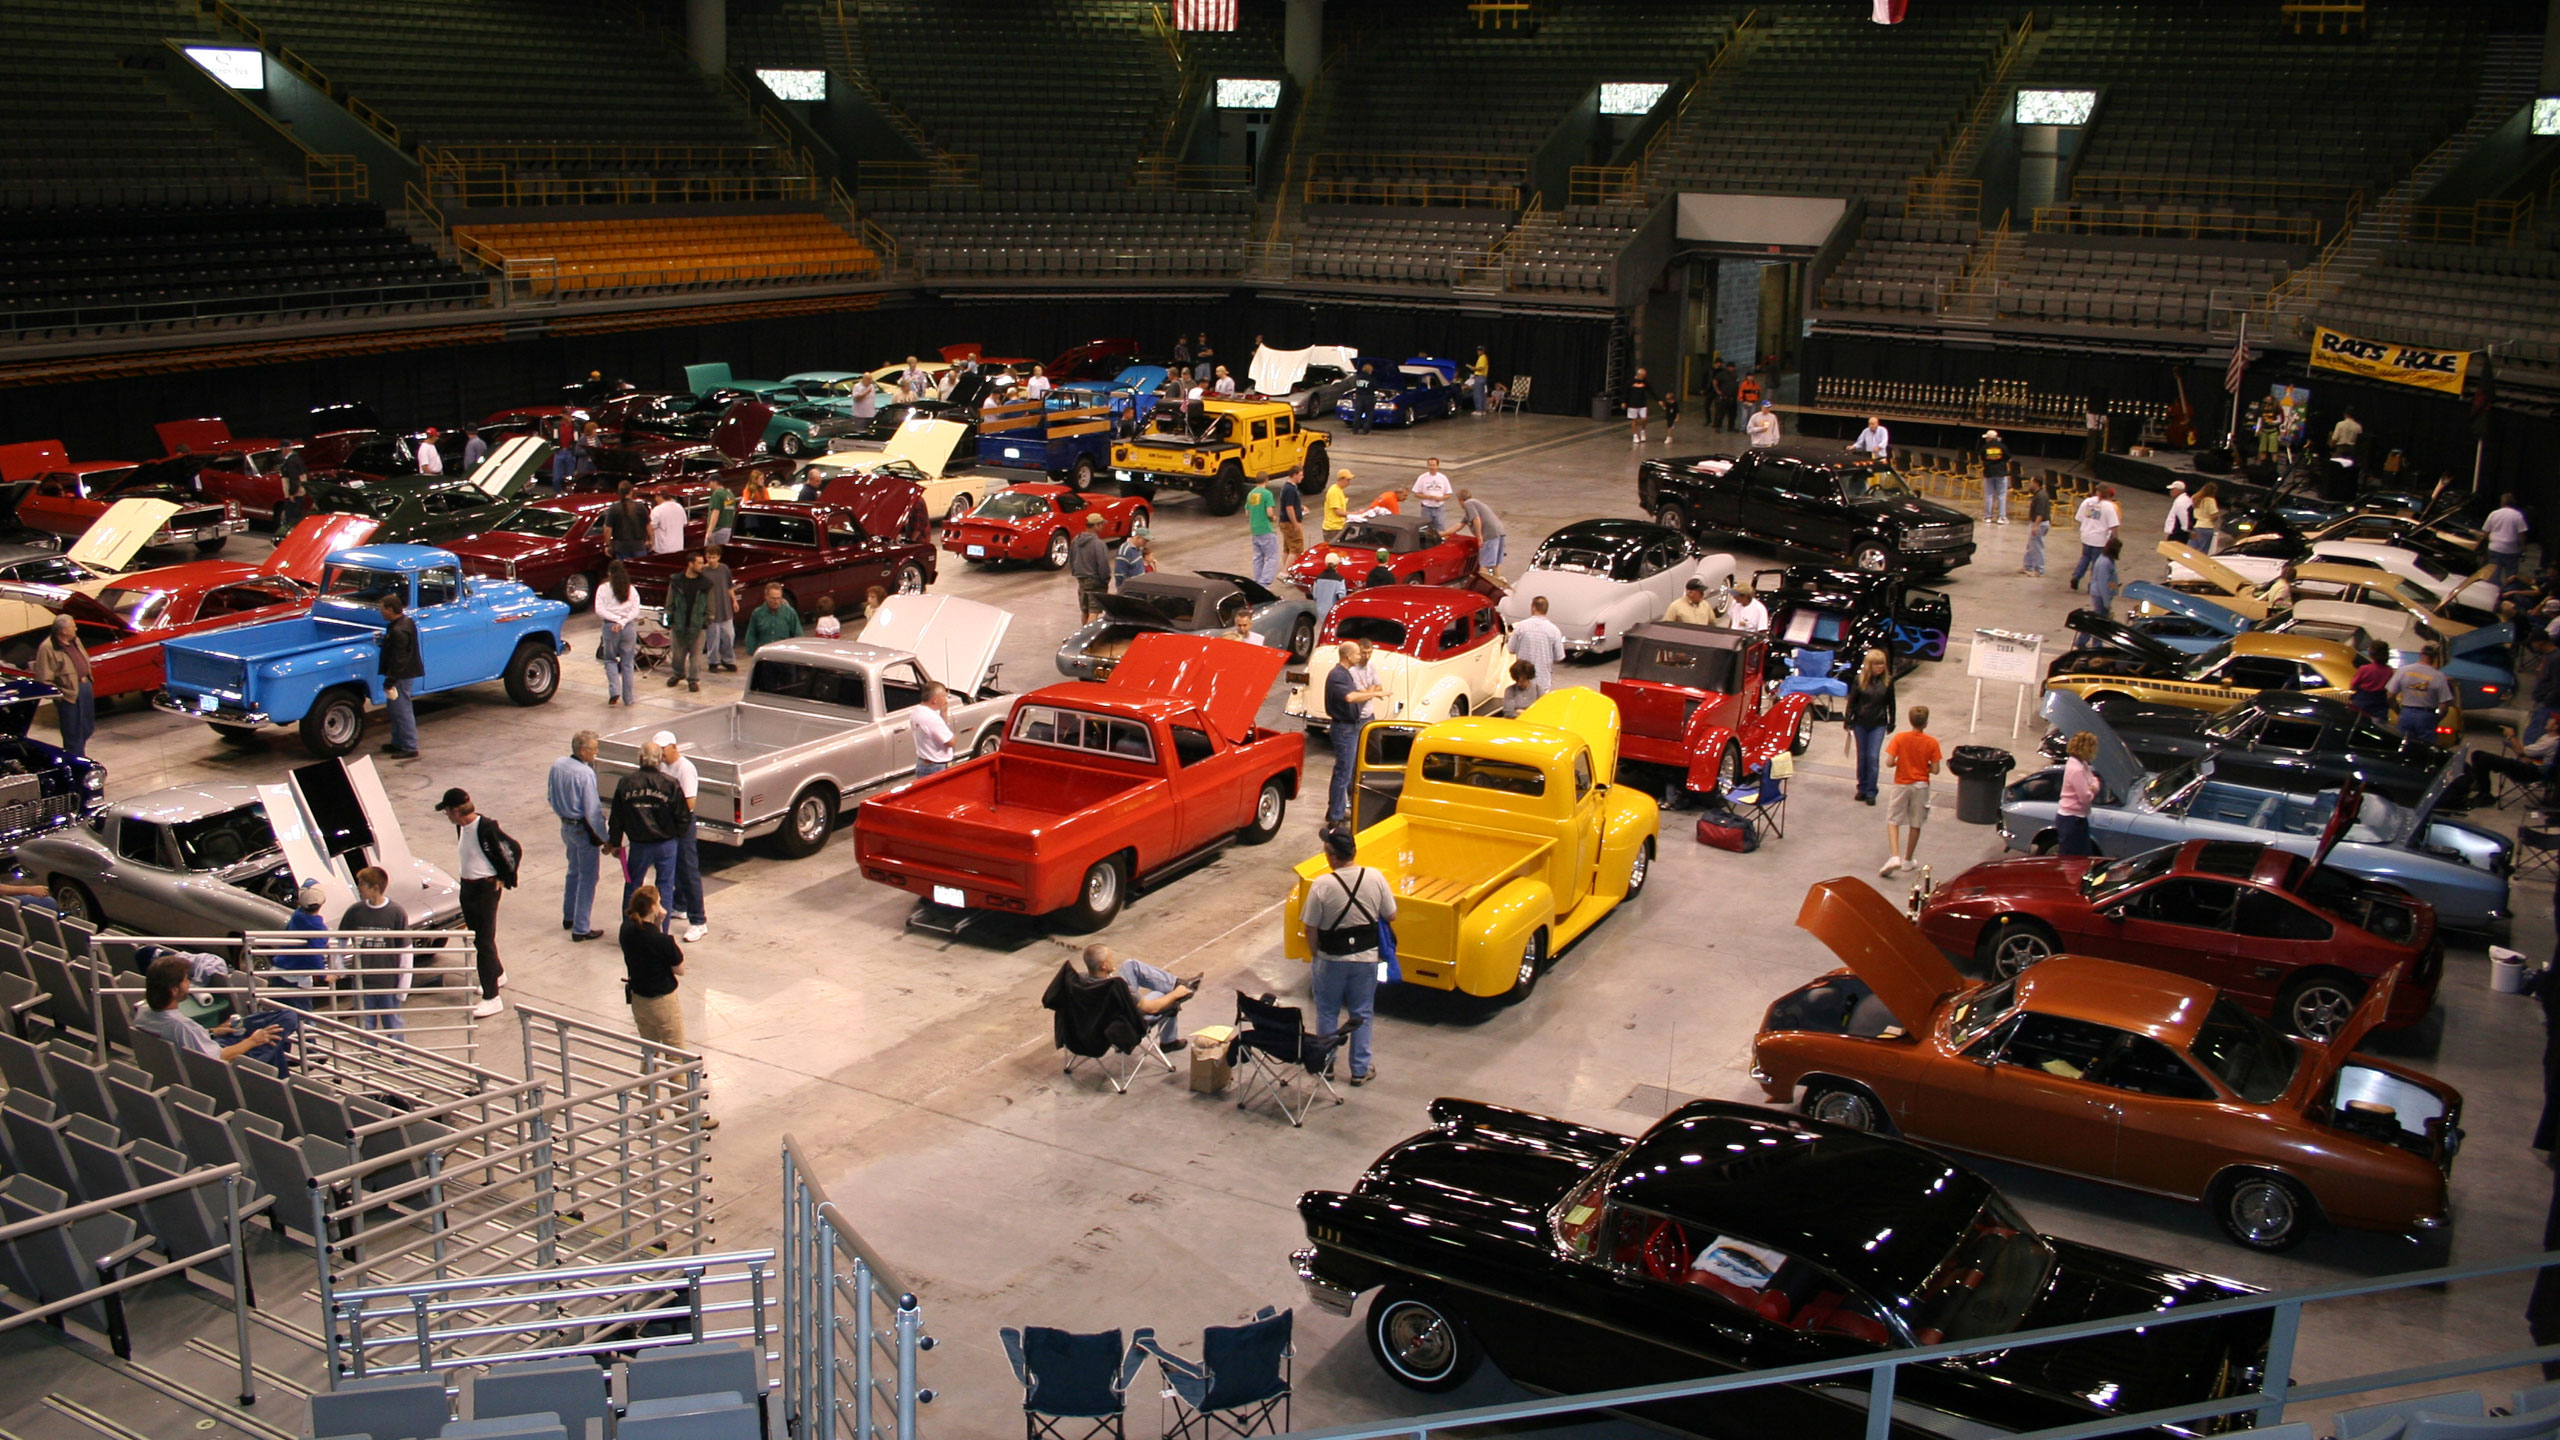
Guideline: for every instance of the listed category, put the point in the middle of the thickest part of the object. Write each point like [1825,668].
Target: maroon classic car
[560,546]
[876,533]
[2285,938]
[1692,698]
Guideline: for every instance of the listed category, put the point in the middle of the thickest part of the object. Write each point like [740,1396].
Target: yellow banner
[2399,364]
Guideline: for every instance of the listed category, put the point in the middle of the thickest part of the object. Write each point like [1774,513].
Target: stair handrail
[228,15]
[1966,135]
[1698,86]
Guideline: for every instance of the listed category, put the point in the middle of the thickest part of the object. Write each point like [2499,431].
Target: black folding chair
[1240,1386]
[1096,1018]
[1067,1377]
[1281,1056]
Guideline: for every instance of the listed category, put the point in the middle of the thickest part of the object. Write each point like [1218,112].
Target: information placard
[2005,656]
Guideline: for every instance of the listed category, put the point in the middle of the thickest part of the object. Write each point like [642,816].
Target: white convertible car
[1601,576]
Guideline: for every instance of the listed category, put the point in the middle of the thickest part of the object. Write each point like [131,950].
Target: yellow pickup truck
[1504,840]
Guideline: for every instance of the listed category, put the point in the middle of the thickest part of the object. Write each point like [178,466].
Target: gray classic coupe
[1169,601]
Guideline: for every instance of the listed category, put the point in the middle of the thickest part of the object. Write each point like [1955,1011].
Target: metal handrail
[1341,191]
[816,1239]
[540,1296]
[1955,152]
[2075,217]
[1603,184]
[2267,1402]
[1665,133]
[2104,186]
[1415,164]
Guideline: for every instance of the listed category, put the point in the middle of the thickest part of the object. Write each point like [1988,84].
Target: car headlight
[96,779]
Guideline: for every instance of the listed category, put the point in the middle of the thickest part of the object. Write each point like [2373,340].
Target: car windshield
[2245,1053]
[1377,630]
[141,609]
[1012,506]
[2201,667]
[767,527]
[2230,724]
[2161,791]
[546,523]
[1695,667]
[1987,1281]
[1862,481]
[1361,535]
[349,582]
[1577,1217]
[2105,882]
[1579,559]
[218,842]
[1974,1015]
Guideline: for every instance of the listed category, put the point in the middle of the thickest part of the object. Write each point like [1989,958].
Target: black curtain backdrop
[109,420]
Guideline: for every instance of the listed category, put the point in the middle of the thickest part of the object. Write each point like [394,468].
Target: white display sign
[808,85]
[1238,93]
[239,69]
[2005,657]
[1631,97]
[2056,107]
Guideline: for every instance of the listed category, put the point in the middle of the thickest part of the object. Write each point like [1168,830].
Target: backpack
[1721,828]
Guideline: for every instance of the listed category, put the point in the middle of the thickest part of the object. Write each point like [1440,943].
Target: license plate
[977,549]
[210,532]
[949,895]
[205,704]
[1011,453]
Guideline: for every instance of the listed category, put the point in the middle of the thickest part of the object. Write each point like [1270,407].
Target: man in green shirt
[1261,522]
[723,513]
[772,620]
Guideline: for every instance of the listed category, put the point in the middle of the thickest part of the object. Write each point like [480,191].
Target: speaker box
[2213,462]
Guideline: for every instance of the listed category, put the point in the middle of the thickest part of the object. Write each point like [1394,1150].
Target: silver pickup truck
[826,719]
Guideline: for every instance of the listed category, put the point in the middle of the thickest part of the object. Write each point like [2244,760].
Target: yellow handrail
[1603,185]
[1466,195]
[1413,164]
[1697,91]
[1954,151]
[372,119]
[2084,219]
[2213,189]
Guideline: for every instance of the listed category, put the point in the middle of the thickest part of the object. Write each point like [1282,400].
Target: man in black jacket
[486,859]
[401,670]
[648,814]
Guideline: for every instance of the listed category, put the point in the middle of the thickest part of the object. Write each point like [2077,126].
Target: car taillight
[738,808]
[1600,630]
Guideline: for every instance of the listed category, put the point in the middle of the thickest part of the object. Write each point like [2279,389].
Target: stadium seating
[2459,298]
[1393,250]
[2169,289]
[1127,232]
[1901,265]
[621,255]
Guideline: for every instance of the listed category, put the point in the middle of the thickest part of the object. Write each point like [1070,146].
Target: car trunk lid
[197,436]
[955,639]
[1226,680]
[1881,947]
[305,550]
[2209,570]
[925,443]
[741,429]
[112,539]
[2116,635]
[503,475]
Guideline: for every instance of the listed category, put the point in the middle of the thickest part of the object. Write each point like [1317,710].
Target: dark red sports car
[2297,942]
[560,546]
[1417,553]
[1037,521]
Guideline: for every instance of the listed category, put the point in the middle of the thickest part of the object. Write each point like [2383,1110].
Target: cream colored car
[921,451]
[1437,649]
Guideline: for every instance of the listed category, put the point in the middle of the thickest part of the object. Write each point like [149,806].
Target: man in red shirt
[1914,756]
[2365,691]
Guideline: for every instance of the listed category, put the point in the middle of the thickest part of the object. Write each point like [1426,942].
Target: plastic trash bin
[1980,771]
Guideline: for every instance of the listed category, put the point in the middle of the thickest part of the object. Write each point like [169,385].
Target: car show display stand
[2008,657]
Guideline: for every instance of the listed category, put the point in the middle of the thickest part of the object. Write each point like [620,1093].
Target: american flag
[1889,12]
[2238,369]
[1204,14]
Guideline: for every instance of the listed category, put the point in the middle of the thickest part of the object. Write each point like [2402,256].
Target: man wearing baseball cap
[486,859]
[687,899]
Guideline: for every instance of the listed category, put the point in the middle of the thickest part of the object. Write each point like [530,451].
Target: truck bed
[275,637]
[1015,784]
[1454,868]
[732,736]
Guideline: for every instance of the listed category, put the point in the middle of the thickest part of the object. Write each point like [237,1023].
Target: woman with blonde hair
[2207,517]
[2080,788]
[1870,719]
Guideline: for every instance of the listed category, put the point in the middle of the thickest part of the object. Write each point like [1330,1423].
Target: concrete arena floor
[918,1073]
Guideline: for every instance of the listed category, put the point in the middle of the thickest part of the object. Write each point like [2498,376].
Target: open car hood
[703,379]
[1226,680]
[2328,1059]
[23,613]
[2107,630]
[2493,638]
[112,539]
[1254,594]
[305,550]
[2422,814]
[198,436]
[954,639]
[504,474]
[741,429]
[1582,711]
[1136,610]
[1276,372]
[2207,569]
[2117,768]
[30,458]
[1881,946]
[926,444]
[2198,608]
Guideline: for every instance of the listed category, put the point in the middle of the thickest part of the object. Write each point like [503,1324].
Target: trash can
[1600,406]
[1980,771]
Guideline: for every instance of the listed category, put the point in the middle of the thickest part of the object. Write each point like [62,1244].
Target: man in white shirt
[1538,641]
[1748,612]
[2181,521]
[430,459]
[1243,626]
[1762,428]
[2098,518]
[485,861]
[1226,383]
[2506,527]
[1875,440]
[2344,435]
[931,729]
[666,527]
[1433,490]
[688,897]
[1038,384]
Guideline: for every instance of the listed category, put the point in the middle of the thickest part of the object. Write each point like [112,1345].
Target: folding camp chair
[1097,1017]
[1240,1386]
[1282,1058]
[1066,1376]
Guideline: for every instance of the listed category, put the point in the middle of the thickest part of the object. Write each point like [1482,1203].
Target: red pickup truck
[1097,787]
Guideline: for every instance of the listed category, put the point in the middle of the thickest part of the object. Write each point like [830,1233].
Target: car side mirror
[2114,913]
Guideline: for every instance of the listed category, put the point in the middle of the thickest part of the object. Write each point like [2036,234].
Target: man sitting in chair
[267,1035]
[1156,992]
[2526,764]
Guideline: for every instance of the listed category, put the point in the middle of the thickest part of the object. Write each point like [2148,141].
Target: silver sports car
[214,860]
[1171,601]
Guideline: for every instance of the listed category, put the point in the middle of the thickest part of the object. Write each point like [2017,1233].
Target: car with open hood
[1437,651]
[124,620]
[229,859]
[923,450]
[1096,788]
[1173,602]
[1846,613]
[1838,505]
[823,721]
[2291,940]
[2278,739]
[2468,597]
[2116,1073]
[2443,538]
[1417,553]
[2371,588]
[1692,699]
[1600,578]
[45,569]
[43,788]
[1422,388]
[65,498]
[431,509]
[1729,1238]
[2193,572]
[1038,521]
[2126,662]
[2459,869]
[204,459]
[1312,380]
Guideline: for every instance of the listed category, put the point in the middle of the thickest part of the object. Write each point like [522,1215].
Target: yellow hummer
[1219,451]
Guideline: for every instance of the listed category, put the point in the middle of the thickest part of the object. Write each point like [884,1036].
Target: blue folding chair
[1240,1386]
[1066,1376]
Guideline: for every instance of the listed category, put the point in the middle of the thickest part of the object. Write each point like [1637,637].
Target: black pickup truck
[1835,504]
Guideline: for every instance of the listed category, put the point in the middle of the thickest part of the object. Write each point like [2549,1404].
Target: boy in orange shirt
[1914,756]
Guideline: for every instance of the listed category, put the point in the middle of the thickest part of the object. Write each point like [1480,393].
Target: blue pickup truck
[320,671]
[1067,433]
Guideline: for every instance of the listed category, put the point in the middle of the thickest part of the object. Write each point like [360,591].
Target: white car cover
[1274,371]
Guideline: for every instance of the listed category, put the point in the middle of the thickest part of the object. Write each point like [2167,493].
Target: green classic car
[432,509]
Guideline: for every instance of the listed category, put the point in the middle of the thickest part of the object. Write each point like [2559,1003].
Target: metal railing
[2482,222]
[1604,185]
[1958,150]
[318,79]
[596,1312]
[1154,172]
[110,1296]
[2264,1402]
[1942,197]
[335,179]
[2081,218]
[442,981]
[846,1319]
[260,306]
[1657,151]
[1456,193]
[2213,191]
[622,1169]
[947,172]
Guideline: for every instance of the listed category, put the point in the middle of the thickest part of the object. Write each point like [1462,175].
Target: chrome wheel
[579,590]
[809,820]
[1846,1108]
[1058,550]
[2018,947]
[2264,1211]
[1874,559]
[340,724]
[2316,1008]
[1639,868]
[1102,888]
[910,579]
[1729,768]
[958,512]
[1266,810]
[73,902]
[1803,740]
[1418,1343]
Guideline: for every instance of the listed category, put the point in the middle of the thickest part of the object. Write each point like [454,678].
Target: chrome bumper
[220,714]
[1323,1294]
[721,832]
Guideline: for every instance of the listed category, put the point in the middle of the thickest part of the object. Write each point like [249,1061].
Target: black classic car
[1833,503]
[2274,740]
[1846,613]
[1731,1238]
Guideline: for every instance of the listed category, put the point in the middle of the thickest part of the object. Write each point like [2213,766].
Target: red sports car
[1037,521]
[2297,942]
[560,546]
[67,498]
[122,621]
[1417,554]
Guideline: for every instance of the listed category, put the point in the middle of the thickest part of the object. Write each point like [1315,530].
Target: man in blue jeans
[1159,993]
[648,815]
[401,669]
[574,799]
[1341,913]
[1348,689]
